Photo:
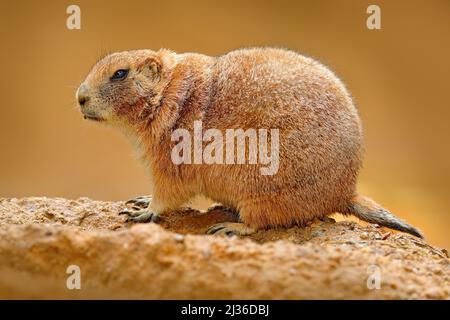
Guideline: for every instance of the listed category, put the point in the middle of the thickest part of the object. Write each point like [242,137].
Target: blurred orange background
[398,76]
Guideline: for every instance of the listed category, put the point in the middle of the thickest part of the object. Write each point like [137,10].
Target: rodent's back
[272,87]
[275,88]
[321,143]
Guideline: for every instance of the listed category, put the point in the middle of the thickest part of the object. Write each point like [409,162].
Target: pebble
[179,237]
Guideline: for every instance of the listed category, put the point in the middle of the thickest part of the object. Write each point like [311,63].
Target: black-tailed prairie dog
[313,134]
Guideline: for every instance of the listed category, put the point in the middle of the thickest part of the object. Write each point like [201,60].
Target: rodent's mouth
[93,117]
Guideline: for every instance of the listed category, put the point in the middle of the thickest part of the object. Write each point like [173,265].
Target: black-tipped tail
[368,210]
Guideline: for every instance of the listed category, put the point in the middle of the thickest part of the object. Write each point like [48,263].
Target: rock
[41,237]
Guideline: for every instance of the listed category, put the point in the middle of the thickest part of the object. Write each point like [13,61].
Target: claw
[214,228]
[141,216]
[230,229]
[141,202]
[129,213]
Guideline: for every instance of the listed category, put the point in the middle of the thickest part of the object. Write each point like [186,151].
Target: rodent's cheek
[128,98]
[139,87]
[97,106]
[133,98]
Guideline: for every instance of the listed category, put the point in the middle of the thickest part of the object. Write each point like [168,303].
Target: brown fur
[321,139]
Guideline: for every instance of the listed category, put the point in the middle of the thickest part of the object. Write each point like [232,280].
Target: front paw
[141,216]
[141,202]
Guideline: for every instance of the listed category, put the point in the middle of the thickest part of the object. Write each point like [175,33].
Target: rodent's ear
[151,67]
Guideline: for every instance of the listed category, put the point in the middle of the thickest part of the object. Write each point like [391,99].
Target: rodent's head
[123,87]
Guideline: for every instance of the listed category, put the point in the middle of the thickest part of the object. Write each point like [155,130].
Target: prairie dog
[150,94]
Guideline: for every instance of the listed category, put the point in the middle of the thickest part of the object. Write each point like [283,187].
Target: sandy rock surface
[41,237]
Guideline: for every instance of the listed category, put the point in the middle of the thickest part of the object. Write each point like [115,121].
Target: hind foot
[142,215]
[230,229]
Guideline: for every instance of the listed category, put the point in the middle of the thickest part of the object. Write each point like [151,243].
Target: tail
[368,210]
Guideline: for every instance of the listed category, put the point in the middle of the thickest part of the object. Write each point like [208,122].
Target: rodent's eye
[119,75]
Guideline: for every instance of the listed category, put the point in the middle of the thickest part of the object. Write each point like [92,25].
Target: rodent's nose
[82,94]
